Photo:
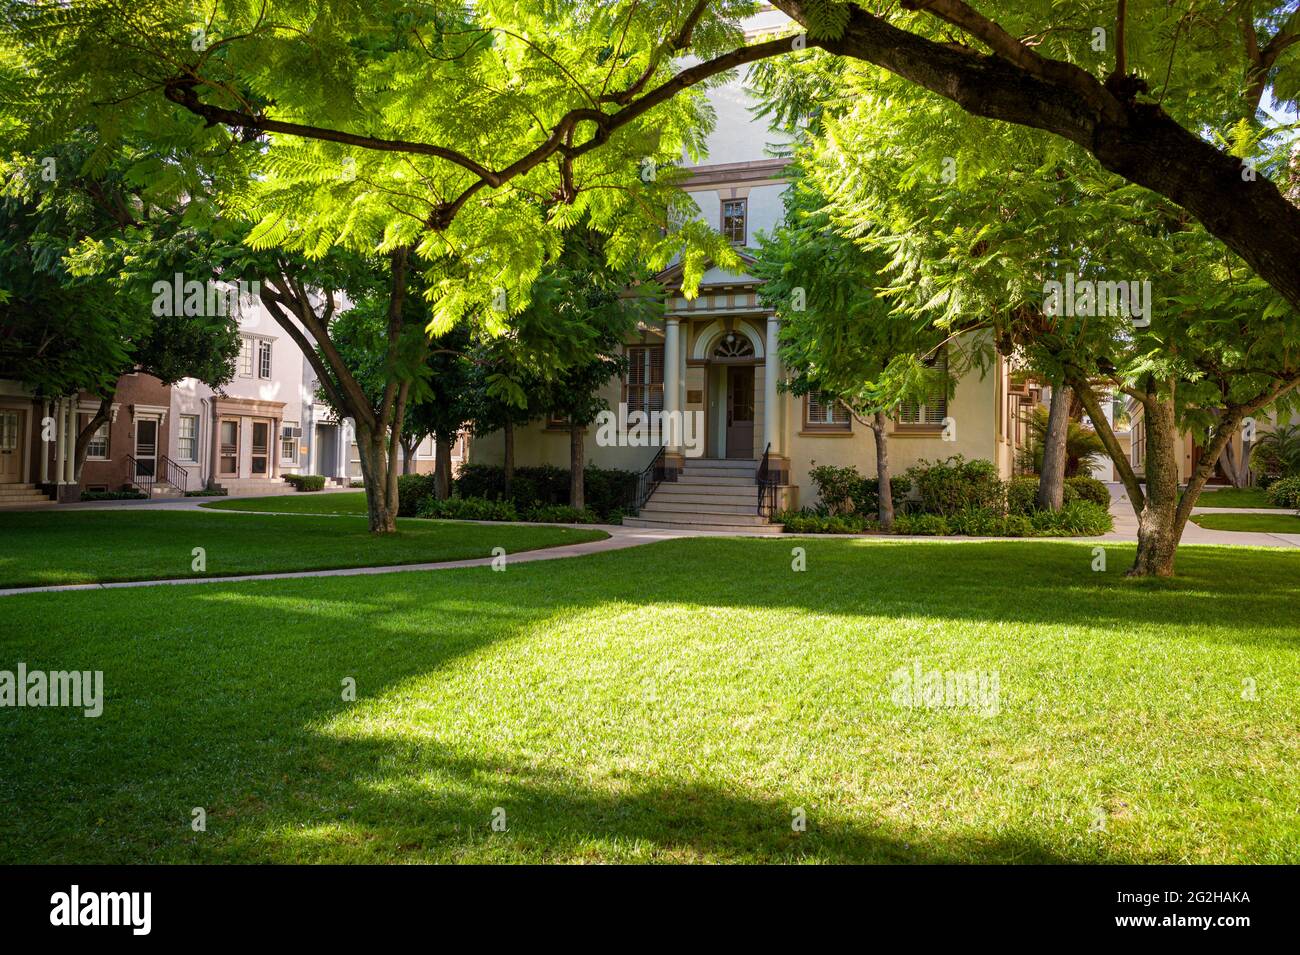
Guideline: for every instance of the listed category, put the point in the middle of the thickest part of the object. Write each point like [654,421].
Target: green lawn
[1281,522]
[319,502]
[73,547]
[1234,497]
[676,702]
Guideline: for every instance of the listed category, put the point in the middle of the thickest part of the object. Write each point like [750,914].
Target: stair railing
[173,473]
[142,480]
[767,483]
[646,482]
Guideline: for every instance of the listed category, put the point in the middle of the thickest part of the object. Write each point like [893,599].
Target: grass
[1234,497]
[675,702]
[1278,523]
[317,502]
[73,547]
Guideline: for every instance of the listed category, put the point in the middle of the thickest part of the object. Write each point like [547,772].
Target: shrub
[561,514]
[207,492]
[930,525]
[976,522]
[1285,492]
[1078,518]
[306,482]
[412,491]
[1017,525]
[842,490]
[356,483]
[956,484]
[813,523]
[125,494]
[607,490]
[1083,447]
[1089,489]
[1022,494]
[468,509]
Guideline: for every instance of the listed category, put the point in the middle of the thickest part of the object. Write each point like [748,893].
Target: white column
[45,445]
[672,376]
[60,445]
[771,372]
[70,456]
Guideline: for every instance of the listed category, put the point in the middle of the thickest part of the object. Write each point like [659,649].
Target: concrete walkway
[621,538]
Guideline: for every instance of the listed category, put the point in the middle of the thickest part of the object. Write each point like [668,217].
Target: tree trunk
[408,455]
[82,446]
[1158,525]
[577,433]
[509,456]
[884,484]
[380,506]
[442,465]
[1051,481]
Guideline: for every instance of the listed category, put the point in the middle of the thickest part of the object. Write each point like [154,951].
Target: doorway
[327,450]
[228,456]
[740,411]
[11,449]
[146,447]
[260,449]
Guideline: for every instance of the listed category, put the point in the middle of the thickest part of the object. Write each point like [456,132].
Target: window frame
[293,459]
[727,232]
[649,387]
[922,420]
[244,367]
[825,426]
[265,365]
[182,437]
[90,445]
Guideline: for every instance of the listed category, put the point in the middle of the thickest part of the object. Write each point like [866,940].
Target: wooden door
[11,445]
[740,411]
[228,452]
[260,448]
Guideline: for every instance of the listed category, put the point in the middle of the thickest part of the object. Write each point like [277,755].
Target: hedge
[607,490]
[306,482]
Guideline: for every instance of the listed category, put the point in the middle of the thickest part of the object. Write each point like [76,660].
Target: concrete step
[696,517]
[17,487]
[740,464]
[6,494]
[706,500]
[678,506]
[727,474]
[762,529]
[713,480]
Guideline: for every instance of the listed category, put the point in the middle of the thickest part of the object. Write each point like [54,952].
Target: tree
[1081,446]
[839,336]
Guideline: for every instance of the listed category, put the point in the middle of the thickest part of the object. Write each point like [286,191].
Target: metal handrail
[646,482]
[766,485]
[143,481]
[173,473]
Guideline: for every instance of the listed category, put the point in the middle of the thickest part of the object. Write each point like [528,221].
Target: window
[187,437]
[825,414]
[289,434]
[935,407]
[643,390]
[733,220]
[97,447]
[245,358]
[263,359]
[8,431]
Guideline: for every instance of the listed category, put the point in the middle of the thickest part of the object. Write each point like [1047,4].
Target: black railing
[141,478]
[767,483]
[647,481]
[173,473]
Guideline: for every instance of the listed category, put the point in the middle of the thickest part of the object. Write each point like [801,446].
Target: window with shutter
[822,413]
[643,389]
[935,407]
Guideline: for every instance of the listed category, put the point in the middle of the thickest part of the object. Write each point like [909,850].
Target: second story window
[245,358]
[264,360]
[733,220]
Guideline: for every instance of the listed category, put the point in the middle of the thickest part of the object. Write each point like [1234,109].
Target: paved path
[621,538]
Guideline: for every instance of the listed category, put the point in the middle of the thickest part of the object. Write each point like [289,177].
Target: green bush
[1078,518]
[930,525]
[976,522]
[607,490]
[1022,494]
[1285,492]
[306,482]
[1017,525]
[1089,489]
[356,483]
[842,490]
[956,484]
[805,522]
[561,514]
[207,492]
[468,509]
[125,494]
[412,491]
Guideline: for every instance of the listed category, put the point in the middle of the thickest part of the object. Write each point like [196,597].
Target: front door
[327,450]
[228,452]
[11,447]
[740,411]
[261,449]
[146,447]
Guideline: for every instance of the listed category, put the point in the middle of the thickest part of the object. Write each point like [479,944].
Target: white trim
[707,340]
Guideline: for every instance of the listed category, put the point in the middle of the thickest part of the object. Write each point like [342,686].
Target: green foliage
[608,490]
[842,490]
[924,525]
[1022,494]
[1083,448]
[126,494]
[1077,518]
[956,484]
[412,492]
[1277,452]
[306,482]
[1285,492]
[976,522]
[561,514]
[806,522]
[1087,488]
[467,509]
